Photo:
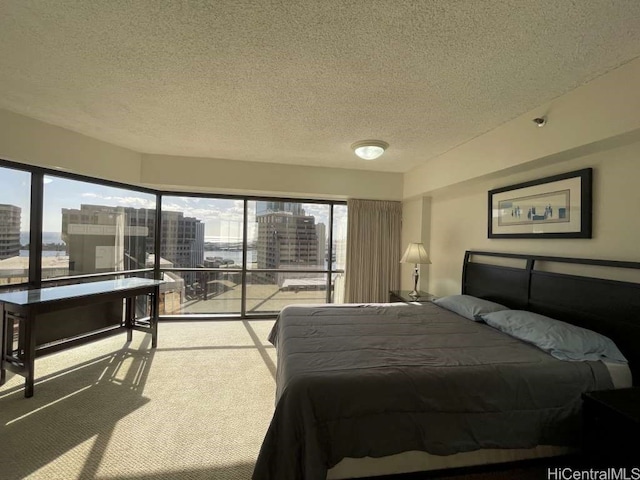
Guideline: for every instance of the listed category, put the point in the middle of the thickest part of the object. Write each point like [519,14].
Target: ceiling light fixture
[369,149]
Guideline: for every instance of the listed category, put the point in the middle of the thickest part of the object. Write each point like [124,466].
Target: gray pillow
[560,339]
[468,306]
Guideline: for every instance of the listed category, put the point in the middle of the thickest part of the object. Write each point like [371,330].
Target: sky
[222,217]
[15,189]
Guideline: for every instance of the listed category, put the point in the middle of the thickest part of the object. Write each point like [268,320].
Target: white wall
[29,141]
[460,218]
[596,125]
[227,176]
[416,226]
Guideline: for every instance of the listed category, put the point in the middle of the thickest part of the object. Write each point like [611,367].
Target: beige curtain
[373,250]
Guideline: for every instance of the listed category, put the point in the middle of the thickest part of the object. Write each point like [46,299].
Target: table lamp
[416,254]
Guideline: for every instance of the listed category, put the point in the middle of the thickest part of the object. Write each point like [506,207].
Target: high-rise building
[287,239]
[321,232]
[9,231]
[182,239]
[265,207]
[104,238]
[101,238]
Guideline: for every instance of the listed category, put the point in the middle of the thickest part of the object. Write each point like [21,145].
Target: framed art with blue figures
[551,207]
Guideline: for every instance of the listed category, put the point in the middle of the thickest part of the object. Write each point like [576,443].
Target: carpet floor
[196,407]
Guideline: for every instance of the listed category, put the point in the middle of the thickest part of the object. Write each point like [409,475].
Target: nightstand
[611,427]
[403,296]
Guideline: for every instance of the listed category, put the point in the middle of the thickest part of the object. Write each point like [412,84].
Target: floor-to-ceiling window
[15,211]
[339,251]
[218,255]
[290,249]
[248,256]
[91,228]
[201,253]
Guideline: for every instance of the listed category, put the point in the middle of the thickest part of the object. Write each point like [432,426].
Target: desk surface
[51,294]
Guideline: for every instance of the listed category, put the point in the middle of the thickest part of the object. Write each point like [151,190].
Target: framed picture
[551,207]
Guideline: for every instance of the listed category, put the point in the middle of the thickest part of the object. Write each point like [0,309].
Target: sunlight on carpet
[196,407]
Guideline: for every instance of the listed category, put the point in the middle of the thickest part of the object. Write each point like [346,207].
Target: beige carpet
[197,407]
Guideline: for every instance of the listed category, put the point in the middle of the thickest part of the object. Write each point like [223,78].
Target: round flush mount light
[369,149]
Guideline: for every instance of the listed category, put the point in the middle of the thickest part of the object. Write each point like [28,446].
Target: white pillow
[560,339]
[468,306]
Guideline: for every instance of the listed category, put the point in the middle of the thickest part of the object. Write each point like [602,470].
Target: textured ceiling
[298,82]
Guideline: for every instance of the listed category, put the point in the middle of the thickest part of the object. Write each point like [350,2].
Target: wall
[596,125]
[416,225]
[29,141]
[256,178]
[460,218]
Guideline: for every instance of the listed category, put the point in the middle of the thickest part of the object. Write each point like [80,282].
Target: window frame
[35,279]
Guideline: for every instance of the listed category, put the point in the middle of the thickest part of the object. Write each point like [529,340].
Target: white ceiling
[297,82]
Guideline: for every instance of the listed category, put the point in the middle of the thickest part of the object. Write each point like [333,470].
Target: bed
[388,388]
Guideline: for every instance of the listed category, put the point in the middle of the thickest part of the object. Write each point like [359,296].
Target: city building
[287,239]
[9,231]
[321,233]
[103,238]
[182,239]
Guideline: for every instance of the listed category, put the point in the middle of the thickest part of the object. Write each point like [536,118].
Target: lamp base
[416,275]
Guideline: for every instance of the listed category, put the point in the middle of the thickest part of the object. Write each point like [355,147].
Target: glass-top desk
[43,320]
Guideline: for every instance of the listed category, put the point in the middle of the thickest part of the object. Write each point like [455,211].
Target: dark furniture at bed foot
[612,427]
[40,321]
[396,296]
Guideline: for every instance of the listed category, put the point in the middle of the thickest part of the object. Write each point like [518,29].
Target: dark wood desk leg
[153,317]
[29,354]
[129,314]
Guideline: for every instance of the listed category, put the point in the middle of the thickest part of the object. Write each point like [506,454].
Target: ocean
[234,255]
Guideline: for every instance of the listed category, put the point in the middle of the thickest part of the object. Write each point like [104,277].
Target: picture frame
[559,206]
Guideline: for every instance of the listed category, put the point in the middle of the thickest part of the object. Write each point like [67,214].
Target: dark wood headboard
[607,306]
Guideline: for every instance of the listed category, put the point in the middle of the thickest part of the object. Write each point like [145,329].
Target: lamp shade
[415,253]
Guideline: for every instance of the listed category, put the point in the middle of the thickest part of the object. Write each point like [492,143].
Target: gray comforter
[375,380]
